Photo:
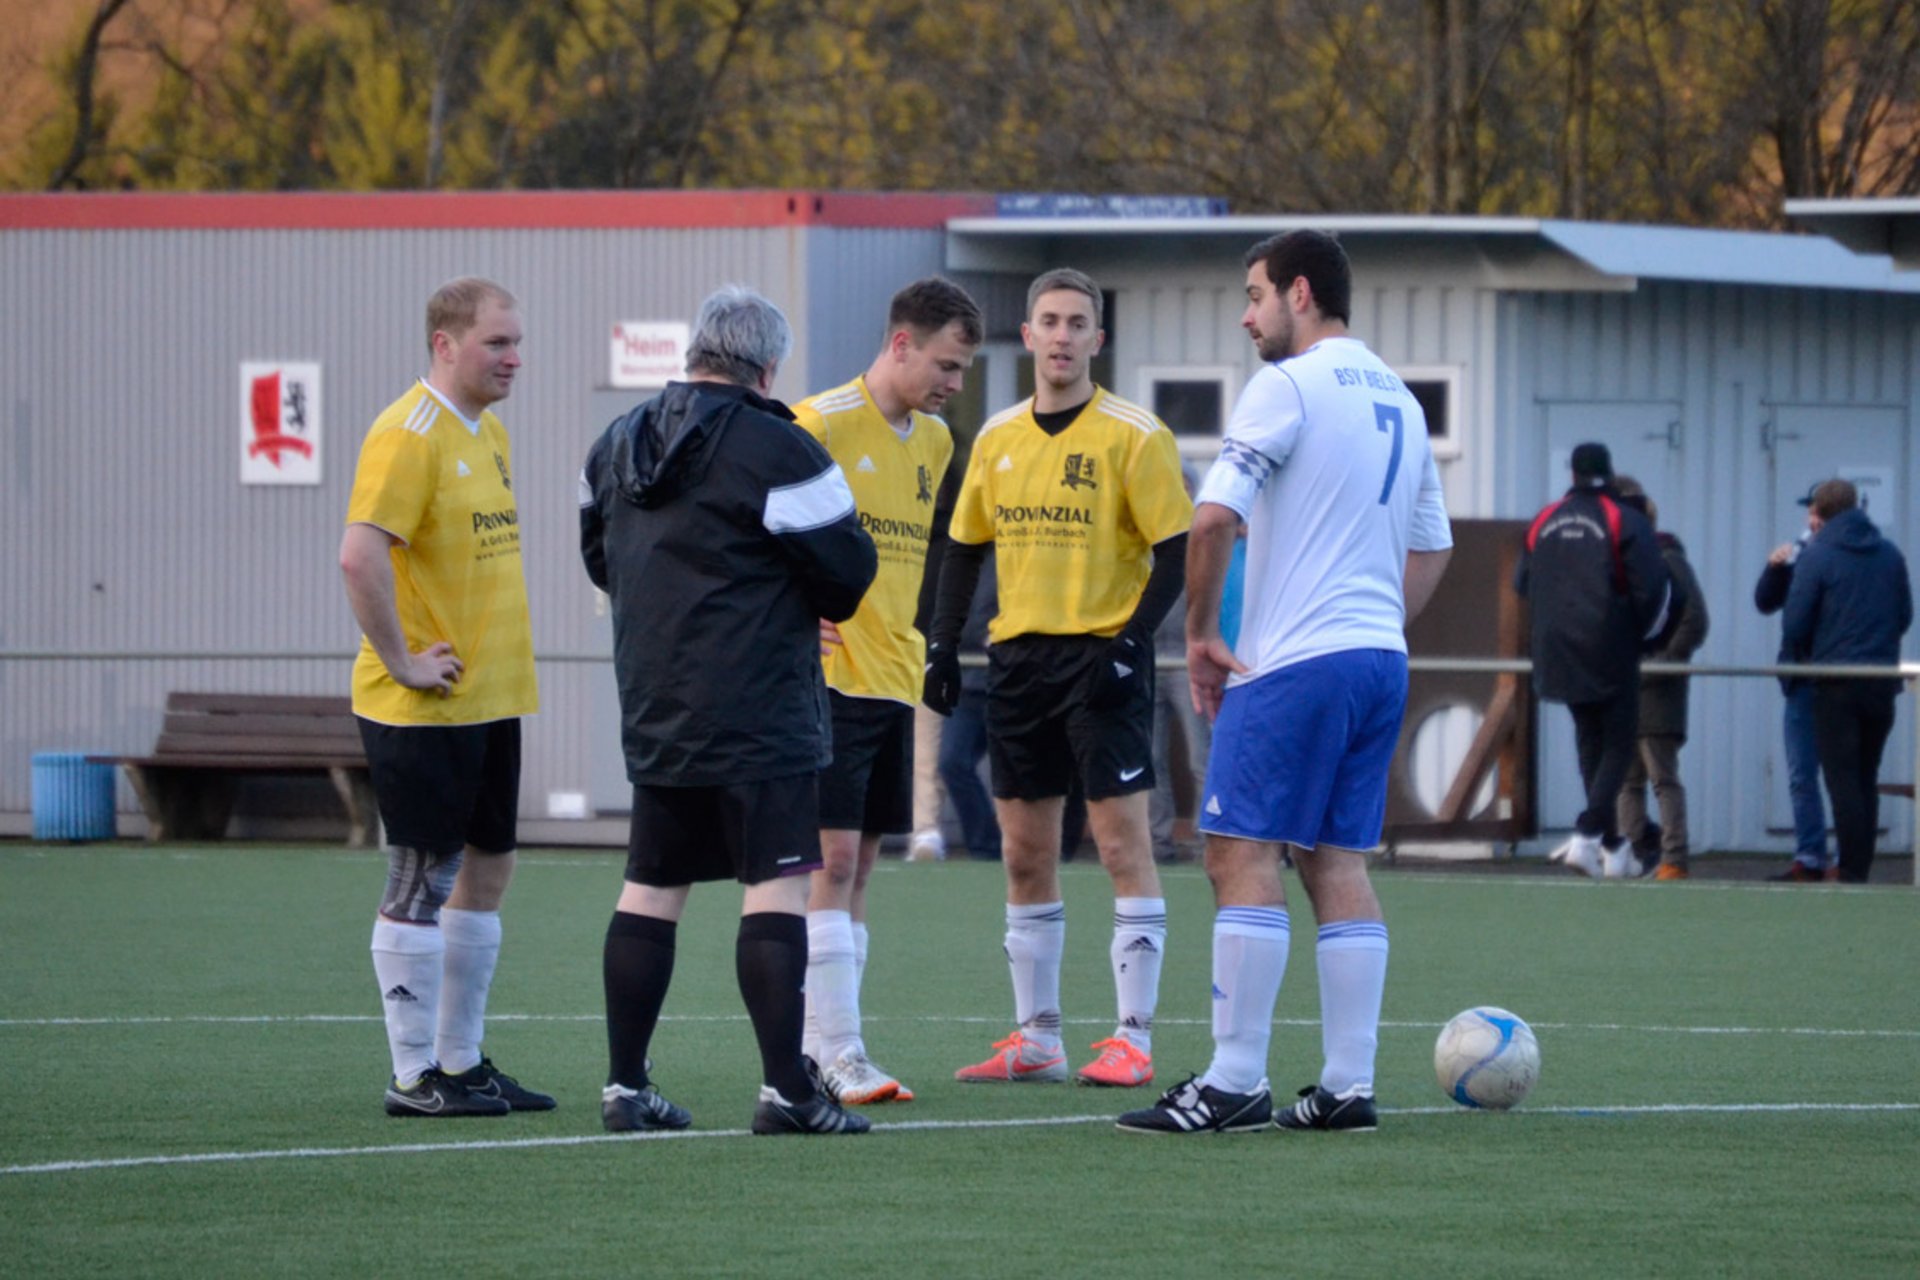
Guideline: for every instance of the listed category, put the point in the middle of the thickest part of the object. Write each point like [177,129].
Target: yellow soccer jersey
[893,482]
[446,491]
[1072,517]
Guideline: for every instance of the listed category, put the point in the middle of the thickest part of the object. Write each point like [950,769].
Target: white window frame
[1447,444]
[1150,376]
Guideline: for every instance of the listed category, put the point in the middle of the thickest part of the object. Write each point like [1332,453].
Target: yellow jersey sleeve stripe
[420,418]
[1131,413]
[842,401]
[1003,417]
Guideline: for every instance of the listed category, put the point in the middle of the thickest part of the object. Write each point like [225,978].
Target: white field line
[906,1126]
[324,1019]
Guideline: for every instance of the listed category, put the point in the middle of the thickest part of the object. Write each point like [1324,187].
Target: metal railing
[1907,672]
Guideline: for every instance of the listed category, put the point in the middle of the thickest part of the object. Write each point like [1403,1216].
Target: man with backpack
[1600,595]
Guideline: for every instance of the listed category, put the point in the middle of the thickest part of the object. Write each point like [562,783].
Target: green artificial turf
[1729,1087]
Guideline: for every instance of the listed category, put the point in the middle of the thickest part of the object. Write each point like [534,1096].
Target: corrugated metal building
[1727,370]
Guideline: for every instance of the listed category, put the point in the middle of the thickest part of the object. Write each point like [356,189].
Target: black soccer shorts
[1040,728]
[869,785]
[444,787]
[746,831]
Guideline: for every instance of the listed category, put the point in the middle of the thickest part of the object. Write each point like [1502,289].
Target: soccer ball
[1486,1058]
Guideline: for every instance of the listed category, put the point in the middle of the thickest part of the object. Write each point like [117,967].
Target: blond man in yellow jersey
[882,430]
[1078,496]
[431,558]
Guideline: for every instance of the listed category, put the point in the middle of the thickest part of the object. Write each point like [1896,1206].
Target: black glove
[1125,667]
[942,693]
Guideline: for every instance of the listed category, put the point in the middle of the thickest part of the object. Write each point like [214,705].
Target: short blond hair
[455,305]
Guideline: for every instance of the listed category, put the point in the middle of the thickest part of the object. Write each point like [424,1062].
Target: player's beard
[1277,345]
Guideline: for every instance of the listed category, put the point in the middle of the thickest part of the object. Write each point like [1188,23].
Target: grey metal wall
[1725,366]
[128,528]
[852,273]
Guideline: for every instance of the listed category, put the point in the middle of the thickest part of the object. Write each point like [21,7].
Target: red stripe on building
[474,210]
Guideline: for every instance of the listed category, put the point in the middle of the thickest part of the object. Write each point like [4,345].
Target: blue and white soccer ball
[1486,1058]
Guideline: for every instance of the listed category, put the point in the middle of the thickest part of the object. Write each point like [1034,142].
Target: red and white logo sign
[648,353]
[279,422]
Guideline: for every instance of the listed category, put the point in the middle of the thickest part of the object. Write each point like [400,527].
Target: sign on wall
[279,422]
[648,353]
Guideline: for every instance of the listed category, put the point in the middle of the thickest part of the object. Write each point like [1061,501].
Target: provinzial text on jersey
[485,520]
[881,527]
[1058,515]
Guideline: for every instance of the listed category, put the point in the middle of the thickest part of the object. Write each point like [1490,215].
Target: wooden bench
[210,740]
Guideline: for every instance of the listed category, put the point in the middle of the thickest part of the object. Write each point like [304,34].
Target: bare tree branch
[85,64]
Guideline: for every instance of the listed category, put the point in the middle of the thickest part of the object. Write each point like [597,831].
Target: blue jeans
[963,741]
[1803,779]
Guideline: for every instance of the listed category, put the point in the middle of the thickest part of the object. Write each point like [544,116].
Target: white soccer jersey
[1327,460]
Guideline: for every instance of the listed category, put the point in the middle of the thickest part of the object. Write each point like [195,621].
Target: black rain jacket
[722,534]
[1595,605]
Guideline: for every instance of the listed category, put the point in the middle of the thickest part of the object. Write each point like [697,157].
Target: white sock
[859,953]
[1249,963]
[1139,945]
[1036,939]
[1353,975]
[473,948]
[833,994]
[406,961]
[859,978]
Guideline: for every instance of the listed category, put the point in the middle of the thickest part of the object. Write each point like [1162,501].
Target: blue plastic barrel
[72,798]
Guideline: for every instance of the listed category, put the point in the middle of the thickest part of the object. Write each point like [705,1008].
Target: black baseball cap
[1592,464]
[1806,499]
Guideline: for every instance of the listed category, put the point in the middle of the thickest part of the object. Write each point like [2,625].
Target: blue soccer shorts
[1300,755]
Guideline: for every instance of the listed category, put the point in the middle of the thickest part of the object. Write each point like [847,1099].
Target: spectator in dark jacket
[1811,861]
[1599,593]
[1849,604]
[1663,709]
[723,535]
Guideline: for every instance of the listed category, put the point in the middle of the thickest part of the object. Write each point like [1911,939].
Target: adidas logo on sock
[1218,994]
[1141,943]
[400,995]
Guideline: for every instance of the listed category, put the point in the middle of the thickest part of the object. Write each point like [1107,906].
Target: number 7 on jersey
[1387,417]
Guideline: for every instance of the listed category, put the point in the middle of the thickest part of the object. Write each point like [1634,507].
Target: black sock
[636,967]
[770,958]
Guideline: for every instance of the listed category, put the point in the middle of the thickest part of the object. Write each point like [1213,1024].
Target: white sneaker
[854,1081]
[1618,864]
[1581,854]
[927,846]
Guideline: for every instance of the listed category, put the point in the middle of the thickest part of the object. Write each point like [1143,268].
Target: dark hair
[1634,494]
[930,305]
[1316,256]
[455,305]
[1831,497]
[1068,278]
[738,335]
